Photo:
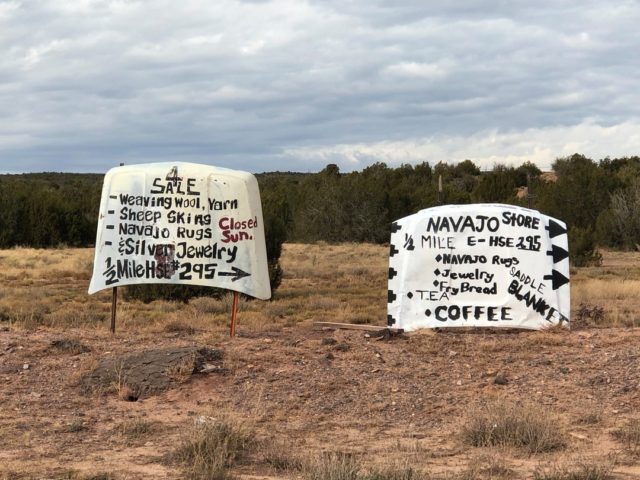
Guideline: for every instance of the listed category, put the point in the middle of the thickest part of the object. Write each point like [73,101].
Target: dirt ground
[305,390]
[314,390]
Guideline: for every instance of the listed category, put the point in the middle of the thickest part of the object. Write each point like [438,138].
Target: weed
[73,475]
[183,369]
[28,317]
[136,429]
[588,315]
[332,466]
[278,456]
[179,327]
[396,473]
[218,306]
[212,447]
[99,476]
[68,475]
[629,435]
[592,418]
[128,394]
[584,471]
[93,476]
[76,316]
[506,424]
[123,390]
[76,426]
[70,345]
[208,305]
[486,466]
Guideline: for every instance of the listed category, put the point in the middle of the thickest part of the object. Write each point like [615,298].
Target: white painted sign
[181,223]
[487,265]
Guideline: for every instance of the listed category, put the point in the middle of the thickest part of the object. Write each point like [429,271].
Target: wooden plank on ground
[353,326]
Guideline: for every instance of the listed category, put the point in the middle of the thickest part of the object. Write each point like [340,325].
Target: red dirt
[311,390]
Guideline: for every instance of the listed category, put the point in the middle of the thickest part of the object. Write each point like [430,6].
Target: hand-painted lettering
[163,186]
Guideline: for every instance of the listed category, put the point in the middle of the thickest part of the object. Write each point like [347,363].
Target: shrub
[623,216]
[588,315]
[582,248]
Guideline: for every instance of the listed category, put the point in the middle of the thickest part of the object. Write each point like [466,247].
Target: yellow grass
[311,391]
[614,286]
[322,282]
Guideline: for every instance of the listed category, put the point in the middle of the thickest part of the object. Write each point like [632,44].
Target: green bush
[582,248]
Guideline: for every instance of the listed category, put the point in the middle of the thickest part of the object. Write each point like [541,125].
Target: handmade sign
[181,223]
[485,265]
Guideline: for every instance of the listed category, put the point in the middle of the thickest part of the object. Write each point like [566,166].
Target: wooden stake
[529,191]
[353,326]
[234,314]
[114,304]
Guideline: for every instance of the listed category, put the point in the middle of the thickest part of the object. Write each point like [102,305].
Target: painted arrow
[557,279]
[555,229]
[558,253]
[237,274]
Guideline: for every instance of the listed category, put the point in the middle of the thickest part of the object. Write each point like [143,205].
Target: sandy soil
[300,389]
[311,390]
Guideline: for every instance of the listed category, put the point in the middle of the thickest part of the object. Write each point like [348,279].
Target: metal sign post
[114,305]
[114,301]
[179,223]
[234,314]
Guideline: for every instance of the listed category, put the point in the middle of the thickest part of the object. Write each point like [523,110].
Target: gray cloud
[293,85]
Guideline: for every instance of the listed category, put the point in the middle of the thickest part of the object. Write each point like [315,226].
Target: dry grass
[178,326]
[506,424]
[582,471]
[487,466]
[137,430]
[45,291]
[332,466]
[181,372]
[397,473]
[339,283]
[70,345]
[347,466]
[278,456]
[68,475]
[629,436]
[611,288]
[211,447]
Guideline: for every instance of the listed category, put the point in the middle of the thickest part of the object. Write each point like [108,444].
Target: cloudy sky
[294,85]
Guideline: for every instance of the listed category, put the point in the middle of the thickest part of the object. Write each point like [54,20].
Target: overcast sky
[295,85]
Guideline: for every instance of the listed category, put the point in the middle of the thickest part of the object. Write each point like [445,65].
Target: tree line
[599,201]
